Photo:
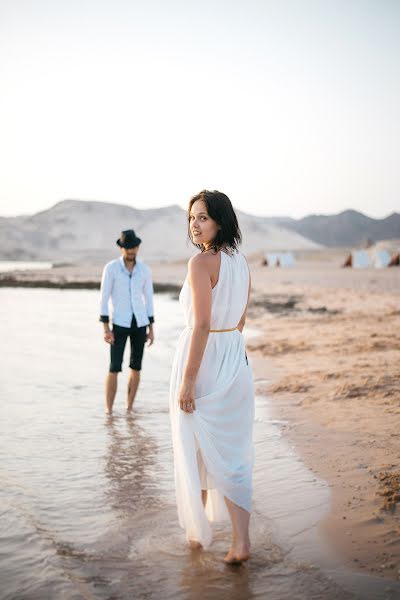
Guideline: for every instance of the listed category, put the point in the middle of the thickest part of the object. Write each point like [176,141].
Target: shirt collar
[123,265]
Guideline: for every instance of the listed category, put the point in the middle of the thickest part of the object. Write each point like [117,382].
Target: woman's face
[202,227]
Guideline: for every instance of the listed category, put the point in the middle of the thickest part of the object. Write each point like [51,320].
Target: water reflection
[130,466]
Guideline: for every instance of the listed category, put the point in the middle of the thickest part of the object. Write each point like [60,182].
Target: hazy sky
[289,107]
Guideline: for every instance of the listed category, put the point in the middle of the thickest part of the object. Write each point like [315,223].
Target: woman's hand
[186,397]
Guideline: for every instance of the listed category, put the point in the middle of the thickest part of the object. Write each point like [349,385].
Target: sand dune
[74,230]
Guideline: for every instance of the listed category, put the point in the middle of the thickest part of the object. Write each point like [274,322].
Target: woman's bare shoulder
[202,265]
[202,260]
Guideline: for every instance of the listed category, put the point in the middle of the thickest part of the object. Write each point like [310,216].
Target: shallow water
[87,504]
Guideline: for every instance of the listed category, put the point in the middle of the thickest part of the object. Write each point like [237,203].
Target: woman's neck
[209,248]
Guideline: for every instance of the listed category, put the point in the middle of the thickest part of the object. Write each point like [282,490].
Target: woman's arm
[200,284]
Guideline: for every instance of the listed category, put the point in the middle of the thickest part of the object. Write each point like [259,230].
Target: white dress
[213,446]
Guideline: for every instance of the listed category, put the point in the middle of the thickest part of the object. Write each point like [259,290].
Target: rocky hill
[348,228]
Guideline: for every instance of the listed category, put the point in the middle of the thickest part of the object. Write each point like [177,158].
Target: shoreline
[166,278]
[75,285]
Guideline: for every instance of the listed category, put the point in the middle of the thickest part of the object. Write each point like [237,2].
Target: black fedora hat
[128,239]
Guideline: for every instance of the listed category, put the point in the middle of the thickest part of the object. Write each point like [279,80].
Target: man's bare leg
[111,390]
[133,385]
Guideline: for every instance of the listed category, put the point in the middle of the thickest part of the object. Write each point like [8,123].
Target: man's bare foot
[237,554]
[109,413]
[194,545]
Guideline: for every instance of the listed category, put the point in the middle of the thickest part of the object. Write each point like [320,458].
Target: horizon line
[15,216]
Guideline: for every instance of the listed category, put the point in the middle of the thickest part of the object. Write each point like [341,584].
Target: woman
[211,392]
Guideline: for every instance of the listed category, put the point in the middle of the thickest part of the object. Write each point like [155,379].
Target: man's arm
[148,299]
[105,293]
[148,295]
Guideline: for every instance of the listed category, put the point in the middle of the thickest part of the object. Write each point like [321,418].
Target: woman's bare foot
[237,554]
[194,545]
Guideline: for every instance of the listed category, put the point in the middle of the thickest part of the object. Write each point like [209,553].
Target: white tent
[360,259]
[279,259]
[377,256]
[381,258]
[287,259]
[272,259]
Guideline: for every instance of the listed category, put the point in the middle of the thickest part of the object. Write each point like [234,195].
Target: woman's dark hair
[220,209]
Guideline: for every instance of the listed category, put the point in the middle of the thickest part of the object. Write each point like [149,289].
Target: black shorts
[137,336]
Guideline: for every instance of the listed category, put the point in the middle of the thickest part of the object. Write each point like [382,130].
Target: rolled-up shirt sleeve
[105,293]
[148,295]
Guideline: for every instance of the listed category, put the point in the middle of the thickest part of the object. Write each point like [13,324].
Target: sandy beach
[328,345]
[329,342]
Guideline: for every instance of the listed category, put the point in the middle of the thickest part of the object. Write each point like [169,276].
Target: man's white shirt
[126,294]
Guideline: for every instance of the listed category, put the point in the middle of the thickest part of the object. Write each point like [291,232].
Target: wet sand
[328,339]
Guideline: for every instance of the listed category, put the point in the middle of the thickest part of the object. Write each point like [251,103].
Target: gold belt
[217,330]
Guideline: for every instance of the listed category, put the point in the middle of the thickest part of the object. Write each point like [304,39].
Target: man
[128,284]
